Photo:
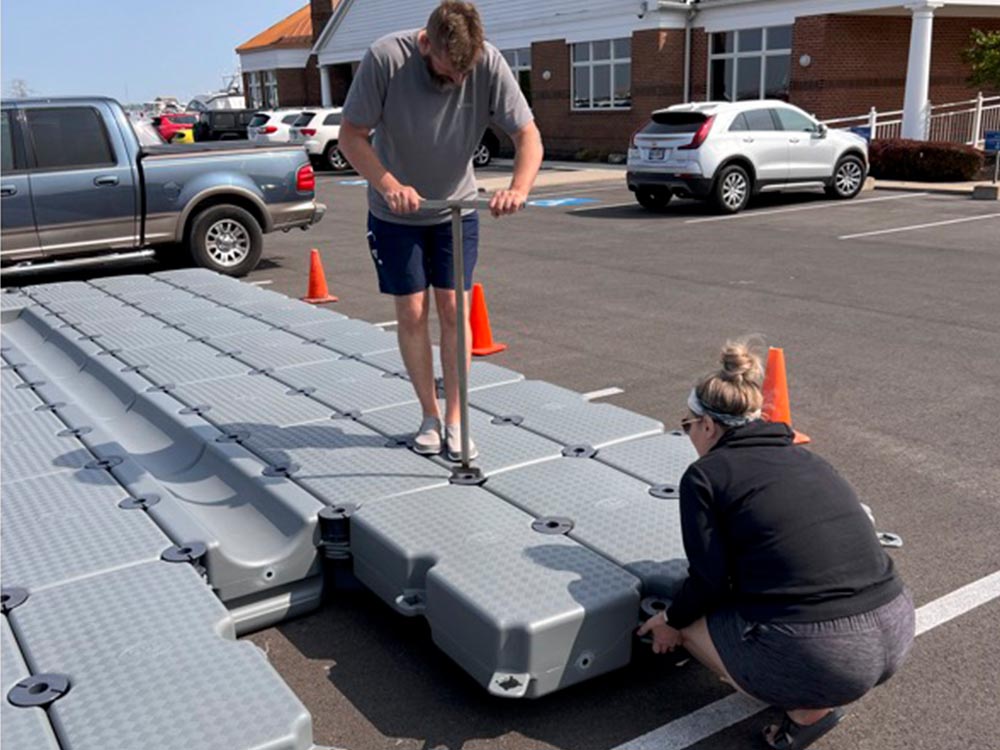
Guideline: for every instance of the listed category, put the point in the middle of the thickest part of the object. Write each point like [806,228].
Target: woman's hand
[665,638]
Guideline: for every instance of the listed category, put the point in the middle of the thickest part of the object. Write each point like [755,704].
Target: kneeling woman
[789,595]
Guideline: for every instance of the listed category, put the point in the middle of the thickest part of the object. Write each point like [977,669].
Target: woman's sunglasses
[687,422]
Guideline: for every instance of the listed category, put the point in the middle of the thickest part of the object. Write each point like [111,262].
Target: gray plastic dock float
[524,612]
[481,374]
[619,517]
[502,446]
[661,459]
[562,415]
[151,660]
[26,728]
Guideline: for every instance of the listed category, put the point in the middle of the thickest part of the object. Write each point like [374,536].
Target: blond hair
[455,30]
[735,390]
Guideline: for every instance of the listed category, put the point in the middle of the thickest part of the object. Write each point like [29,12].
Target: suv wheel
[654,199]
[482,156]
[848,178]
[732,189]
[334,159]
[226,239]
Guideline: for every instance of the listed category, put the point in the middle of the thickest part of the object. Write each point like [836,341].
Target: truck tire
[226,239]
[334,160]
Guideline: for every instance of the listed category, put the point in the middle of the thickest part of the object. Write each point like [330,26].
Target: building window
[270,89]
[602,74]
[519,61]
[256,99]
[750,64]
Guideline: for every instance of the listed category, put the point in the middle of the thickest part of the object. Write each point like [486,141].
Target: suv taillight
[305,179]
[700,136]
[308,131]
[268,130]
[631,141]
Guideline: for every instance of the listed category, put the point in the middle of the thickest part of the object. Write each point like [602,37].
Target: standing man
[429,94]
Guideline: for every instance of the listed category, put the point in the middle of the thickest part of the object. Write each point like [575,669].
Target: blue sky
[138,48]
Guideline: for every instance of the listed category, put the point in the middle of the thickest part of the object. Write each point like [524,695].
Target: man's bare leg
[415,347]
[448,317]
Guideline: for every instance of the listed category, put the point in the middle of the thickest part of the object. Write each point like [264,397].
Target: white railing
[957,122]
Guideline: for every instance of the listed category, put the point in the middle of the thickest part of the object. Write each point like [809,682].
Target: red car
[170,122]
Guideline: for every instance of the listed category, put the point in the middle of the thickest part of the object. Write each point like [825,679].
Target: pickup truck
[77,188]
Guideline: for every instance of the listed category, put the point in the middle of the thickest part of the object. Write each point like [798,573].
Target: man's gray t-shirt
[425,133]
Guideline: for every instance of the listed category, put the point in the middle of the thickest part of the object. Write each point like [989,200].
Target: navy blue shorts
[408,258]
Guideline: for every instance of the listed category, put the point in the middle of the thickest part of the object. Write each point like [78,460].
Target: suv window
[664,123]
[69,138]
[259,120]
[740,123]
[304,119]
[759,119]
[332,119]
[792,120]
[7,146]
[289,119]
[225,120]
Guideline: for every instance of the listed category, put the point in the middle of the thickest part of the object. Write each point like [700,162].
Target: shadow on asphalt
[390,671]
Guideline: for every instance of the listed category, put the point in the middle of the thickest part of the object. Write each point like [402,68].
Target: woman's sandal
[793,736]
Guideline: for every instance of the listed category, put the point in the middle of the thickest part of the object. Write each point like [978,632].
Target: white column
[324,85]
[918,70]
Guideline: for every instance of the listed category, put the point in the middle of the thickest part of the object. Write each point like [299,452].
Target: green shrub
[921,161]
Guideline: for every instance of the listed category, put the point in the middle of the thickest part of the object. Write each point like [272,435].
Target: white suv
[727,151]
[319,131]
[272,125]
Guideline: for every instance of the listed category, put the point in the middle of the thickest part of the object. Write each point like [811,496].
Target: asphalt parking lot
[889,313]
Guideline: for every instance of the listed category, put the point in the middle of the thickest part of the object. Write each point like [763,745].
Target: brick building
[594,69]
[279,68]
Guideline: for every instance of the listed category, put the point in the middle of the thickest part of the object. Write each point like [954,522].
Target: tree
[19,88]
[984,58]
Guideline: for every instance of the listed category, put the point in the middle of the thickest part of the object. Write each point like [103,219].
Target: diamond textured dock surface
[20,728]
[612,514]
[251,399]
[32,447]
[17,396]
[342,461]
[501,447]
[661,459]
[68,525]
[481,374]
[349,385]
[562,415]
[155,633]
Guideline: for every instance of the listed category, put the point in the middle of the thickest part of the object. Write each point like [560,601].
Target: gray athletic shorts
[815,664]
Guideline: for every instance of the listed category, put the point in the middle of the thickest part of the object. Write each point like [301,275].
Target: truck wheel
[654,198]
[335,160]
[226,239]
[732,189]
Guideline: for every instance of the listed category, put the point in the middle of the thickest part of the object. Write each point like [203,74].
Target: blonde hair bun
[734,390]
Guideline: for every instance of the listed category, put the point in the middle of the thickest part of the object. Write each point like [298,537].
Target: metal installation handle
[458,253]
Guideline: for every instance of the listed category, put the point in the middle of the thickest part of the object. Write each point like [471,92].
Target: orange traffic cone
[318,292]
[482,336]
[776,406]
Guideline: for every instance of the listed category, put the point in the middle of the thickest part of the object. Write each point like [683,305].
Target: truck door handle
[8,190]
[108,179]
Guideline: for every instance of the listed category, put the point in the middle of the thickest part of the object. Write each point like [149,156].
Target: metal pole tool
[465,473]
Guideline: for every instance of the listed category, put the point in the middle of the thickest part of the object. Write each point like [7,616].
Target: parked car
[726,152]
[488,147]
[170,123]
[272,125]
[78,185]
[319,131]
[223,124]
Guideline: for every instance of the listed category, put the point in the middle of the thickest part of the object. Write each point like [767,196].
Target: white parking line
[262,282]
[721,714]
[810,207]
[609,205]
[913,227]
[603,393]
[386,324]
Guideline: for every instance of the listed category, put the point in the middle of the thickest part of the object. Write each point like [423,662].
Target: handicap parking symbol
[557,202]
